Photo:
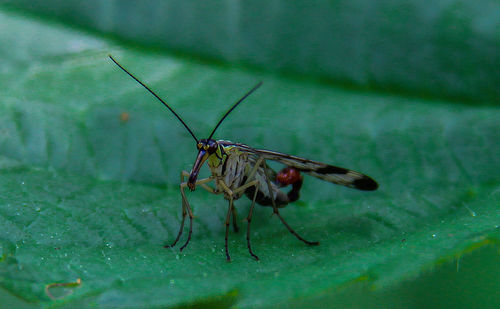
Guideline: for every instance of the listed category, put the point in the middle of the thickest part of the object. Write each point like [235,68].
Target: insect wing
[330,173]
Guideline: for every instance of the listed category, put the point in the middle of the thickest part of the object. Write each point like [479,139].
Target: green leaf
[90,166]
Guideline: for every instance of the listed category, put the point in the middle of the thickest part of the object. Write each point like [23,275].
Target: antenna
[234,106]
[152,92]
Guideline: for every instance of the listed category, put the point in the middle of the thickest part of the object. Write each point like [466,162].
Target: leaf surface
[90,166]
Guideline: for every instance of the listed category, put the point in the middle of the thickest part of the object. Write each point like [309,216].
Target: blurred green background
[442,49]
[404,91]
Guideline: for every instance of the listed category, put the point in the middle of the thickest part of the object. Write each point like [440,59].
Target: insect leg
[254,183]
[228,216]
[186,209]
[184,201]
[276,211]
[235,223]
[191,216]
[184,213]
[229,192]
[249,220]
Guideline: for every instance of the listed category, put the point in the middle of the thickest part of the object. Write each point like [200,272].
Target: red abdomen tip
[288,176]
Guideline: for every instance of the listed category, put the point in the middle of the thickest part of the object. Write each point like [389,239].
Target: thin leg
[228,217]
[249,220]
[230,193]
[311,243]
[255,184]
[236,229]
[186,209]
[184,213]
[190,232]
[275,211]
[245,186]
[190,213]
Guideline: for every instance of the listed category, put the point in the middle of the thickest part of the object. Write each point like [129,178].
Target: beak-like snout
[200,159]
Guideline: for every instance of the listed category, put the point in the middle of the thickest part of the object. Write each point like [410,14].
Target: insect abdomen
[280,199]
[287,176]
[290,176]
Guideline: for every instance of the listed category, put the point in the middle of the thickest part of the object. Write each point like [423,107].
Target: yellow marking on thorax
[231,150]
[216,159]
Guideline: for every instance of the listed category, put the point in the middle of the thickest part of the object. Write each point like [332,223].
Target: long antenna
[234,106]
[152,92]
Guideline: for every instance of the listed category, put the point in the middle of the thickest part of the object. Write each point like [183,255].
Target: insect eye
[205,147]
[199,145]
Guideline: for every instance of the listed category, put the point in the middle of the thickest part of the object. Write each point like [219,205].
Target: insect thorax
[234,168]
[229,165]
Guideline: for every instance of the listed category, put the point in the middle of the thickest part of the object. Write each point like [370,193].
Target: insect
[238,170]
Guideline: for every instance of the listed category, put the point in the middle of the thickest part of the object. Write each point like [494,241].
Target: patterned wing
[333,174]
